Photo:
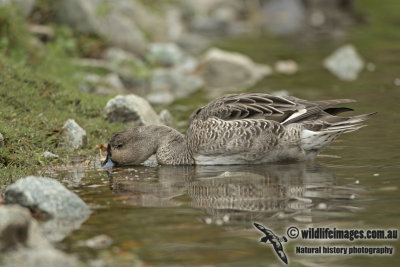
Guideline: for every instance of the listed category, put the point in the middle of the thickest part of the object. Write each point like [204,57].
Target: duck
[246,128]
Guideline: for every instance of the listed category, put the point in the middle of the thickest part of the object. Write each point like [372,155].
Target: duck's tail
[316,136]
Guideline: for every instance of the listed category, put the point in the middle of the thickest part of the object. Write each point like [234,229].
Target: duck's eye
[119,146]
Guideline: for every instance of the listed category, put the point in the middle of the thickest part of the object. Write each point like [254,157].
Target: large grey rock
[26,6]
[46,195]
[105,85]
[64,210]
[228,70]
[166,54]
[345,63]
[22,242]
[73,135]
[193,43]
[130,108]
[166,117]
[1,140]
[168,84]
[14,226]
[215,17]
[123,23]
[284,17]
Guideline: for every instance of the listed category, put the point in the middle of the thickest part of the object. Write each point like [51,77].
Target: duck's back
[257,128]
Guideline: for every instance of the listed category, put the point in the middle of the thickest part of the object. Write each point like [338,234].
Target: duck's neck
[172,148]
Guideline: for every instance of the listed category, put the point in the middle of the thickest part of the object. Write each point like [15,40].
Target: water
[202,216]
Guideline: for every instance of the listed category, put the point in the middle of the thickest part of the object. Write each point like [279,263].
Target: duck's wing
[247,106]
[263,106]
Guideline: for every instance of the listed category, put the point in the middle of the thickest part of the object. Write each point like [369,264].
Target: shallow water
[185,216]
[202,216]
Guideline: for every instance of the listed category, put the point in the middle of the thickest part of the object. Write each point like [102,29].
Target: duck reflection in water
[235,193]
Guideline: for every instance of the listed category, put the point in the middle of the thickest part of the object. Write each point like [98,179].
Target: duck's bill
[108,163]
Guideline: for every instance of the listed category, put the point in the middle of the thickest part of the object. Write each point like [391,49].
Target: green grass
[33,109]
[38,93]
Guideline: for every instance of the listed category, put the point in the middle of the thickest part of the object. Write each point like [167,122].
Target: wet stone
[345,63]
[166,117]
[46,195]
[22,242]
[167,54]
[62,210]
[130,108]
[73,135]
[229,70]
[97,242]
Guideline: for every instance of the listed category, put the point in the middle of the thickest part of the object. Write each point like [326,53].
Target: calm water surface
[202,216]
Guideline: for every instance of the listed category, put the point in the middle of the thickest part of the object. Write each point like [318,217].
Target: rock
[123,62]
[105,85]
[174,22]
[26,6]
[64,210]
[127,24]
[106,19]
[114,82]
[97,242]
[168,84]
[14,226]
[49,155]
[228,70]
[193,43]
[283,17]
[119,55]
[166,117]
[22,242]
[1,140]
[130,108]
[162,96]
[165,54]
[214,18]
[73,135]
[57,229]
[328,15]
[46,195]
[345,63]
[286,67]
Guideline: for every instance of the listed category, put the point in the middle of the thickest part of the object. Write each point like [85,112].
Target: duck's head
[130,147]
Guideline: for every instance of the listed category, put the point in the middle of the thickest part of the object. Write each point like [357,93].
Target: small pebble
[397,81]
[352,196]
[208,220]
[376,174]
[99,242]
[225,218]
[322,206]
[49,155]
[286,67]
[357,182]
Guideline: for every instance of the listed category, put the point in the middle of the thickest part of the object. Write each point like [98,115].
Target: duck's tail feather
[316,138]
